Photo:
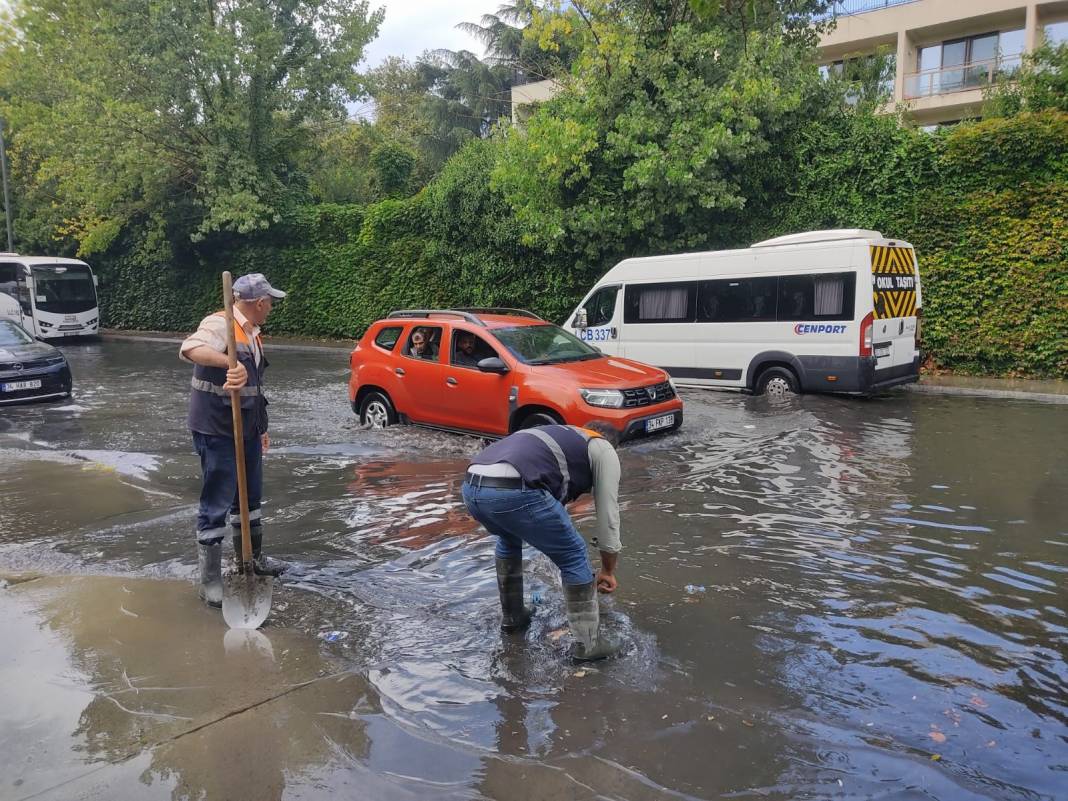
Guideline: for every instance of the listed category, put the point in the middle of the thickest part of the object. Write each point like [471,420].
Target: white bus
[49,296]
[825,311]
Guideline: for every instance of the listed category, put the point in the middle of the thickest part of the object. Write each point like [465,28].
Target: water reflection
[822,597]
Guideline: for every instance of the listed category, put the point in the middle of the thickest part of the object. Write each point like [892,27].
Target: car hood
[610,372]
[26,353]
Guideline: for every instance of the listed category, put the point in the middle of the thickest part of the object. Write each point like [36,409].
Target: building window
[967,63]
[1056,33]
[870,77]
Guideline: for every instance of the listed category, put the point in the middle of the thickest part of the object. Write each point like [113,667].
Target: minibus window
[828,296]
[601,307]
[736,300]
[660,303]
[13,283]
[816,297]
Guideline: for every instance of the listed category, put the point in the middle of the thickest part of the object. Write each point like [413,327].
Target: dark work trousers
[535,517]
[218,496]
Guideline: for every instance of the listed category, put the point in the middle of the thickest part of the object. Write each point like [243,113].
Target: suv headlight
[611,398]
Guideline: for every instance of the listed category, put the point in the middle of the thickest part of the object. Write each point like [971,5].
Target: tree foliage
[185,113]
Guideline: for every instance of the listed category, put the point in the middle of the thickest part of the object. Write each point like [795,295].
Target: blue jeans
[535,517]
[218,495]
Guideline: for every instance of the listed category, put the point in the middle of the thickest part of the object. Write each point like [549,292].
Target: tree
[189,114]
[667,133]
[1040,84]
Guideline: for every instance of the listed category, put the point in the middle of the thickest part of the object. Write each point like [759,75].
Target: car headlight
[611,398]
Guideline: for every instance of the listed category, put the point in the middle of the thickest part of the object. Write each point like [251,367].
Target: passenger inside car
[468,350]
[463,352]
[420,345]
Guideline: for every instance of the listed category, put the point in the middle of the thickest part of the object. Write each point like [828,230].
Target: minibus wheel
[776,382]
[376,411]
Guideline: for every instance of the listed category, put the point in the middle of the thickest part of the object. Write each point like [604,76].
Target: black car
[29,369]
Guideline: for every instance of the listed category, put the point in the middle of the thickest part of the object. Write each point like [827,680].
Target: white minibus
[50,297]
[824,311]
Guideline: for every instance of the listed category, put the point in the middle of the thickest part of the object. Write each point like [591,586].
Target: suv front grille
[644,396]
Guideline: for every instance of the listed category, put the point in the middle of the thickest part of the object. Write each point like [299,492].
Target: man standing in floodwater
[211,422]
[517,489]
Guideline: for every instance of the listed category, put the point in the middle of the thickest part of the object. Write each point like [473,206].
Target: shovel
[246,596]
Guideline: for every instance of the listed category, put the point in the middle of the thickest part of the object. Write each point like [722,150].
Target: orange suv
[493,371]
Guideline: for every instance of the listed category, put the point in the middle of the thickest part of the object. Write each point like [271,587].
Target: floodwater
[821,598]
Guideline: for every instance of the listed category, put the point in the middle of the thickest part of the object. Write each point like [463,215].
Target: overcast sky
[412,26]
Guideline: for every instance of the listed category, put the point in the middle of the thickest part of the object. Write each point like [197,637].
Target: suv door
[473,400]
[420,378]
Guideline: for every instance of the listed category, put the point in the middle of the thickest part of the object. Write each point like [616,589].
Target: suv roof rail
[426,313]
[500,310]
[469,314]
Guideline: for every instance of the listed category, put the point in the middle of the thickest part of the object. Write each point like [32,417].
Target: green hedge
[985,204]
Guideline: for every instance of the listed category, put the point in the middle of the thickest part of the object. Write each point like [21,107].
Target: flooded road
[822,598]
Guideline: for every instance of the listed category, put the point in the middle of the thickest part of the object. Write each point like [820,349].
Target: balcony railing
[961,78]
[847,8]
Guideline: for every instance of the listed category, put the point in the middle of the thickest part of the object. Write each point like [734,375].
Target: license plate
[15,386]
[664,421]
[882,351]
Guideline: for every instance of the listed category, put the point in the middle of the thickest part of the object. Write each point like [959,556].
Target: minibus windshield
[544,344]
[63,289]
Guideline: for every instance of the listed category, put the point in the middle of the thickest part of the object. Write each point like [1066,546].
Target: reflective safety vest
[209,403]
[553,458]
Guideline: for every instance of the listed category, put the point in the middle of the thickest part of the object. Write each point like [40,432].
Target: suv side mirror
[493,365]
[581,320]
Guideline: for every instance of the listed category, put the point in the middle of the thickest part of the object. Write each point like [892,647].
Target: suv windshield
[544,344]
[64,288]
[11,334]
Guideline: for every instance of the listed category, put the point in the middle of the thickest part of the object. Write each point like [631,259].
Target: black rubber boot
[209,559]
[583,616]
[261,565]
[515,616]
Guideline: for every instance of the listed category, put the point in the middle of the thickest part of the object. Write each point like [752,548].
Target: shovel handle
[245,562]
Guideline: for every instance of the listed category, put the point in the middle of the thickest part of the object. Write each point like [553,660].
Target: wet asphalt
[821,598]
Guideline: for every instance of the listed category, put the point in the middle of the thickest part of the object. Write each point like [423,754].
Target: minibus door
[597,320]
[895,300]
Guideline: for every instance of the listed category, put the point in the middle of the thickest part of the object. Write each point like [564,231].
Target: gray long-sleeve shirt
[604,463]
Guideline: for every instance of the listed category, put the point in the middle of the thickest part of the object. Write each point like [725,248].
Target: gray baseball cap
[254,286]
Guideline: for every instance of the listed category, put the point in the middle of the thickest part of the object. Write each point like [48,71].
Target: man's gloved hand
[236,377]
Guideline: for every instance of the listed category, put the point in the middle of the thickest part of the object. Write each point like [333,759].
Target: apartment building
[943,53]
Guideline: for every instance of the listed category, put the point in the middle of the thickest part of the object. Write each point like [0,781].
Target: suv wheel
[376,411]
[540,419]
[777,382]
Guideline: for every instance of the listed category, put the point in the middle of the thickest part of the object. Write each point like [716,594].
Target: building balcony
[848,8]
[962,78]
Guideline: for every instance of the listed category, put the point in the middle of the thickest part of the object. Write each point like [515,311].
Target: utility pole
[7,194]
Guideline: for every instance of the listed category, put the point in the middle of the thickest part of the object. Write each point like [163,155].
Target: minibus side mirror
[493,365]
[581,320]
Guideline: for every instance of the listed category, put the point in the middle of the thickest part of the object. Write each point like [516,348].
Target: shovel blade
[246,600]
